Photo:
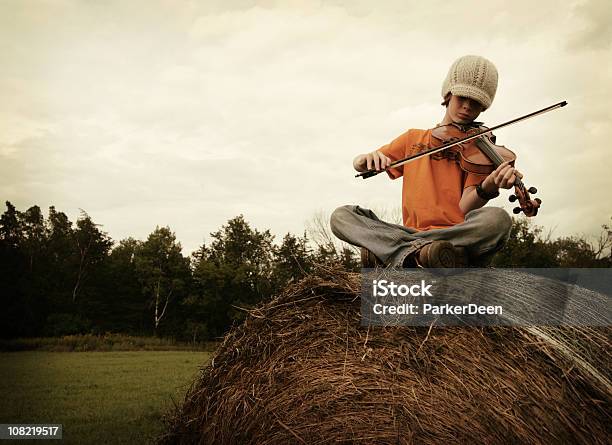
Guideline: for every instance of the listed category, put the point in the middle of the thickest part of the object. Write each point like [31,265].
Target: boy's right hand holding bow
[374,160]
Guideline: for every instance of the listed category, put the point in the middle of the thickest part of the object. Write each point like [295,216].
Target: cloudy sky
[188,113]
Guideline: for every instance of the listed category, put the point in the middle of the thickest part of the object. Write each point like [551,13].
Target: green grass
[103,342]
[99,397]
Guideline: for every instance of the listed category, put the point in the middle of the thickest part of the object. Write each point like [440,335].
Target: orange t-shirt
[432,188]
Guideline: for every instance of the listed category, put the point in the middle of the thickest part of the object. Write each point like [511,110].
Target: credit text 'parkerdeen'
[433,309]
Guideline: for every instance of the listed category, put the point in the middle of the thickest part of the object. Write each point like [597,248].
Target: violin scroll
[527,205]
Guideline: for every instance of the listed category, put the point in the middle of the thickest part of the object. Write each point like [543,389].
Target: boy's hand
[370,161]
[502,177]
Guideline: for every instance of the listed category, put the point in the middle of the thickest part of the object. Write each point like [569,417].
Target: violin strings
[491,154]
[497,160]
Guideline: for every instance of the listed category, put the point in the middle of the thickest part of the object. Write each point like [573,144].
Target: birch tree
[163,272]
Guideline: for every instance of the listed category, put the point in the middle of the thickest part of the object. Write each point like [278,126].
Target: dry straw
[302,370]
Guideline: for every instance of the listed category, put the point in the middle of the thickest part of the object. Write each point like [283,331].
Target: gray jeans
[484,232]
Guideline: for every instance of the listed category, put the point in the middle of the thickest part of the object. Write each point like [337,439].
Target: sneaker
[461,257]
[438,254]
[369,260]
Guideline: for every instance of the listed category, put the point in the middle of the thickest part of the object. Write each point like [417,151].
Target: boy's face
[463,110]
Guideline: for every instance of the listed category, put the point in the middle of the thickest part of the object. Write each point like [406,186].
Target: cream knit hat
[474,77]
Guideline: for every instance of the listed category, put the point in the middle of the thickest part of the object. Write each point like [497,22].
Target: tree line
[58,277]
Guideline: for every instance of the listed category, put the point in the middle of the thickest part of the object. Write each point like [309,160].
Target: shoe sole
[368,260]
[441,255]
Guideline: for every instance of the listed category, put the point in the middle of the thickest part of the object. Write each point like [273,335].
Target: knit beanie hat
[474,77]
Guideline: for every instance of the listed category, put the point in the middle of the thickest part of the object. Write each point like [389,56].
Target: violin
[481,156]
[476,152]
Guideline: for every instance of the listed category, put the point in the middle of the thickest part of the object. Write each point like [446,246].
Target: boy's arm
[502,177]
[470,200]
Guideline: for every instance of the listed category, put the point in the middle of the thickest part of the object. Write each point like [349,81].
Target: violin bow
[369,173]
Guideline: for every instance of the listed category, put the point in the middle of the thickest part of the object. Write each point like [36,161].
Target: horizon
[311,229]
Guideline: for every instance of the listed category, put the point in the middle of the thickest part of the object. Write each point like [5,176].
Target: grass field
[99,397]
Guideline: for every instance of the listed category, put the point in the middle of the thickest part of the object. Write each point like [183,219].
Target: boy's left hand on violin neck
[502,177]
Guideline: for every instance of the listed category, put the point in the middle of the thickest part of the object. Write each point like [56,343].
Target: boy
[445,223]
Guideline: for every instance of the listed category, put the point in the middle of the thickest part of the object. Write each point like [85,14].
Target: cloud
[593,31]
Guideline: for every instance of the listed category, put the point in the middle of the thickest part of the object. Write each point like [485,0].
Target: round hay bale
[301,369]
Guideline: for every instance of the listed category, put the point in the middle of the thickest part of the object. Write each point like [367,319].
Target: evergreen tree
[12,266]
